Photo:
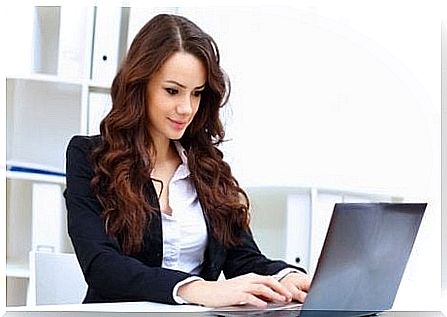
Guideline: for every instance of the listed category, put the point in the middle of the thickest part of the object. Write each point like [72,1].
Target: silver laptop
[364,255]
[363,258]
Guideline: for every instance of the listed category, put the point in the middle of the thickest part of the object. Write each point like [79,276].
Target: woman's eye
[171,91]
[198,93]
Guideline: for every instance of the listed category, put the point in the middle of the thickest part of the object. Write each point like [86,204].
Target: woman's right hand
[252,289]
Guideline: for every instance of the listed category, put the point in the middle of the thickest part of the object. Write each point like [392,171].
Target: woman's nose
[185,106]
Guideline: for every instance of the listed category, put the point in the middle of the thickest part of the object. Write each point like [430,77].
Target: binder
[75,23]
[106,44]
[99,105]
[298,229]
[48,224]
[18,40]
[45,40]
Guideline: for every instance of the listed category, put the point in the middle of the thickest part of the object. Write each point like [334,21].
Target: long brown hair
[122,163]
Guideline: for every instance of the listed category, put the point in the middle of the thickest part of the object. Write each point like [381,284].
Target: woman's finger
[305,282]
[250,299]
[265,292]
[273,284]
[297,294]
[300,280]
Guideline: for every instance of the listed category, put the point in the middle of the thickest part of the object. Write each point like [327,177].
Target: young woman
[154,212]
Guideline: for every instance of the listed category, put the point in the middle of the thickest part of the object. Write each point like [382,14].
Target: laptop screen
[364,255]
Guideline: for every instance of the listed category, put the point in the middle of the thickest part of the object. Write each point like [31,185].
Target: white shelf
[373,193]
[35,177]
[17,268]
[94,85]
[49,78]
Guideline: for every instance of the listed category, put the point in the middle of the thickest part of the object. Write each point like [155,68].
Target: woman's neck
[164,150]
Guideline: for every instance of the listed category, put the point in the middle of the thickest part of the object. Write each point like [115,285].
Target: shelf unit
[56,97]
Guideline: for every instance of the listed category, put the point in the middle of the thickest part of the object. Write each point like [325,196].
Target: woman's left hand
[298,284]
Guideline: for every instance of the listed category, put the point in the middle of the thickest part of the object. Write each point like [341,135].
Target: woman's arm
[252,289]
[110,274]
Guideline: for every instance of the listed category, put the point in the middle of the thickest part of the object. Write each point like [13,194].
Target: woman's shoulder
[79,167]
[80,148]
[85,142]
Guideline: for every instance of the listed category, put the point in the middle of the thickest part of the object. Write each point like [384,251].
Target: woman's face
[173,95]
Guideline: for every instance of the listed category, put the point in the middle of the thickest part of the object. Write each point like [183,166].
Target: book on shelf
[34,168]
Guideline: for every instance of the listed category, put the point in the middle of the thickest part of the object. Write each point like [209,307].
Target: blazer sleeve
[107,271]
[247,258]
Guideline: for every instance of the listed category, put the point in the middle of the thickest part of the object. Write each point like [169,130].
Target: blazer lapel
[214,255]
[152,252]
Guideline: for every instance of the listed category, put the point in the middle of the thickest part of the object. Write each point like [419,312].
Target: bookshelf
[59,88]
[48,101]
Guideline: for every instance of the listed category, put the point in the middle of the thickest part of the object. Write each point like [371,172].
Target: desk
[140,309]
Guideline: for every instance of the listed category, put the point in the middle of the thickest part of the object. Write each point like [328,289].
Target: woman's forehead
[183,69]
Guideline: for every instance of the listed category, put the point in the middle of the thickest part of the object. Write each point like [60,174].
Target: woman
[154,212]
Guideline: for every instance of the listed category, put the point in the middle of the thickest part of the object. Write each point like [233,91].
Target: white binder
[75,23]
[298,229]
[48,225]
[106,44]
[99,105]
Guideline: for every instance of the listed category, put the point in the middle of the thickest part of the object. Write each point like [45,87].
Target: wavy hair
[122,163]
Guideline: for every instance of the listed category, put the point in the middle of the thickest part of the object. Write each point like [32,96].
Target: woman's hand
[250,288]
[298,284]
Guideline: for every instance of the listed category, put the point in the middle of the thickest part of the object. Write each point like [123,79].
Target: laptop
[361,264]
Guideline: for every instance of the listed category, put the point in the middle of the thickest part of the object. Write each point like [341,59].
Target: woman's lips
[178,125]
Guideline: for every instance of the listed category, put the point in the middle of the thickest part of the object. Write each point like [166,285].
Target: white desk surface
[150,309]
[113,307]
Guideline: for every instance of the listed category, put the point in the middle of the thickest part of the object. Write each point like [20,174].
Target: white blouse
[184,231]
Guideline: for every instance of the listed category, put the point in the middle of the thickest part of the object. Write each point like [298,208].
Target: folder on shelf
[99,105]
[297,228]
[48,223]
[75,24]
[106,44]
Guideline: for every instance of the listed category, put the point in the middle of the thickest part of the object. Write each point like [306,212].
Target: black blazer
[112,276]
